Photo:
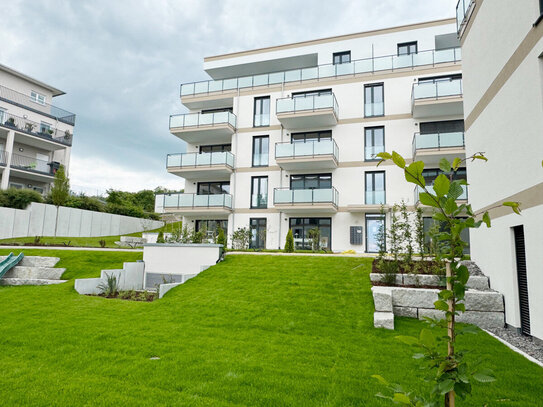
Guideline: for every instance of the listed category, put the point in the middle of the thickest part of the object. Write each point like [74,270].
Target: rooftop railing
[202,119]
[435,90]
[360,66]
[437,140]
[31,164]
[307,103]
[33,128]
[463,8]
[305,196]
[20,99]
[192,201]
[306,149]
[192,160]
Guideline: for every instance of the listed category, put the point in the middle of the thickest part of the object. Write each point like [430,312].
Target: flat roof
[55,91]
[333,39]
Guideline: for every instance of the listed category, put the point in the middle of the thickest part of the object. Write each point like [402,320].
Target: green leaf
[484,376]
[426,199]
[444,165]
[450,206]
[455,190]
[401,399]
[398,159]
[462,274]
[514,205]
[446,294]
[486,219]
[456,163]
[408,340]
[384,155]
[441,305]
[427,338]
[380,379]
[478,157]
[460,307]
[441,185]
[413,173]
[446,386]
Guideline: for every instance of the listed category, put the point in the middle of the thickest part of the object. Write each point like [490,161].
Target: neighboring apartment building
[285,137]
[502,47]
[35,136]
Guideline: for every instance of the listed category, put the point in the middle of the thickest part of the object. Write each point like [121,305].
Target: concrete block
[96,223]
[20,226]
[164,288]
[187,277]
[86,223]
[114,228]
[88,285]
[382,298]
[74,228]
[383,320]
[430,313]
[484,301]
[37,215]
[133,275]
[32,281]
[410,312]
[414,297]
[7,217]
[478,283]
[39,261]
[63,221]
[378,278]
[49,220]
[48,273]
[481,319]
[423,280]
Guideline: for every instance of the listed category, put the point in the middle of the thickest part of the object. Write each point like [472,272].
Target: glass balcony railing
[191,201]
[370,153]
[435,90]
[305,196]
[308,103]
[190,160]
[437,140]
[31,164]
[463,7]
[463,197]
[375,198]
[202,119]
[307,149]
[361,66]
[33,128]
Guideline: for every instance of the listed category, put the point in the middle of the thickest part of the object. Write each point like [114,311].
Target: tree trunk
[449,397]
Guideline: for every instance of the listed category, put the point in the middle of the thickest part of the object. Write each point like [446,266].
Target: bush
[221,238]
[19,198]
[160,238]
[240,238]
[85,202]
[289,244]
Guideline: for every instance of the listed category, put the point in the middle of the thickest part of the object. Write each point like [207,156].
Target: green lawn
[251,331]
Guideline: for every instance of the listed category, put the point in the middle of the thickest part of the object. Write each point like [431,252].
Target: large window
[431,174]
[259,192]
[312,93]
[374,100]
[375,232]
[300,232]
[212,227]
[374,139]
[261,150]
[311,136]
[342,57]
[311,181]
[213,188]
[216,148]
[258,233]
[446,126]
[262,112]
[375,188]
[407,48]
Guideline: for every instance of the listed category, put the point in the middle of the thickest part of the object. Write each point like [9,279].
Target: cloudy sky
[121,63]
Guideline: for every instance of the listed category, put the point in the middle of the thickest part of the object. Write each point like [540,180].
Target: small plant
[160,238]
[419,233]
[29,126]
[50,131]
[67,135]
[37,240]
[11,122]
[289,243]
[110,287]
[221,238]
[241,238]
[315,236]
[406,235]
[67,244]
[102,243]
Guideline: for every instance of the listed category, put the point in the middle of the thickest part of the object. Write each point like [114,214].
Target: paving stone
[410,312]
[484,301]
[414,297]
[383,320]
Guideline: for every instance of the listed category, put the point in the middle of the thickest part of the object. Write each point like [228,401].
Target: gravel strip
[524,343]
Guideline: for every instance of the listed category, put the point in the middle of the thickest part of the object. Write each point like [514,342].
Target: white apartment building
[502,47]
[285,137]
[35,136]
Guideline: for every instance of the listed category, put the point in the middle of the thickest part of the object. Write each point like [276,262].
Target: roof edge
[55,91]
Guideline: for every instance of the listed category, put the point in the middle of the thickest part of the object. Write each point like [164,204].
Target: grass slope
[251,331]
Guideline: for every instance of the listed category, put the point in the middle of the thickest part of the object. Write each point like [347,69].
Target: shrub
[19,198]
[240,238]
[102,243]
[221,238]
[289,243]
[111,286]
[315,236]
[60,192]
[85,202]
[160,238]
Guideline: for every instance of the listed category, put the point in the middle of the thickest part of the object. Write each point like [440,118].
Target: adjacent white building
[502,47]
[286,136]
[35,136]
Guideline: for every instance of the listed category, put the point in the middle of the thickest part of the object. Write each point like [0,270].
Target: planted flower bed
[131,295]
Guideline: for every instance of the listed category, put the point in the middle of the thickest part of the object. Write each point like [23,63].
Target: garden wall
[41,219]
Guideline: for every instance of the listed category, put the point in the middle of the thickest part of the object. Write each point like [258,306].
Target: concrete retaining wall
[40,220]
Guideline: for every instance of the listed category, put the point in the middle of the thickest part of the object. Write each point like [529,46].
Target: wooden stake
[449,397]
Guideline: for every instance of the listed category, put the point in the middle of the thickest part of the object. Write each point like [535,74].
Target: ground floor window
[433,226]
[212,226]
[258,233]
[375,232]
[300,231]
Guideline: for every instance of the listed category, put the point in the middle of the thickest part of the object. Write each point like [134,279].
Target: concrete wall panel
[74,229]
[7,218]
[37,215]
[49,219]
[63,221]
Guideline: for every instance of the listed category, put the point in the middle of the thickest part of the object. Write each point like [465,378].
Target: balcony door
[258,233]
[301,232]
[311,181]
[213,188]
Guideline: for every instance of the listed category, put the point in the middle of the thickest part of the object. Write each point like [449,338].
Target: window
[375,188]
[442,78]
[429,223]
[258,233]
[407,48]
[312,93]
[37,97]
[259,192]
[447,126]
[311,181]
[374,139]
[431,174]
[261,147]
[311,136]
[213,188]
[262,112]
[212,226]
[342,57]
[375,232]
[219,110]
[374,100]
[217,148]
[300,232]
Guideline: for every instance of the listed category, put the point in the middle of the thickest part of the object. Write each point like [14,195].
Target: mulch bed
[416,267]
[143,296]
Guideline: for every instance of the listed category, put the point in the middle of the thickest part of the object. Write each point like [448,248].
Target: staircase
[34,270]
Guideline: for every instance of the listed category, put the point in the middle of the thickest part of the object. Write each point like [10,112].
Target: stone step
[475,282]
[383,320]
[25,272]
[29,281]
[36,261]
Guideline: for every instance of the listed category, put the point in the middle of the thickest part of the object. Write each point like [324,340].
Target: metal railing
[437,140]
[462,197]
[33,128]
[202,119]
[367,65]
[463,9]
[20,99]
[197,201]
[436,90]
[375,197]
[31,164]
[188,160]
[307,149]
[307,196]
[307,103]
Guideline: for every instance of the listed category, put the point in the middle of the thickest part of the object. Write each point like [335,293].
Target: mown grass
[251,331]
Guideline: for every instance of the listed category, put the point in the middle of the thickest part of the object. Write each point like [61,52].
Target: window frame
[258,225]
[259,178]
[35,97]
[208,183]
[222,148]
[253,151]
[373,128]
[256,100]
[408,45]
[320,135]
[325,174]
[373,173]
[305,225]
[373,86]
[341,54]
[369,216]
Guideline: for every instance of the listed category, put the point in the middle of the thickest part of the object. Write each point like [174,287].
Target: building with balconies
[286,137]
[35,136]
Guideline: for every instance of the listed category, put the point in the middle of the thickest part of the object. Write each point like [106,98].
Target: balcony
[220,93]
[20,99]
[40,136]
[431,148]
[373,202]
[441,98]
[464,8]
[193,204]
[418,190]
[306,200]
[307,112]
[208,128]
[32,168]
[309,155]
[202,166]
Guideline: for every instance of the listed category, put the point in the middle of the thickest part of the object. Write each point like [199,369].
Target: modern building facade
[502,47]
[35,136]
[285,137]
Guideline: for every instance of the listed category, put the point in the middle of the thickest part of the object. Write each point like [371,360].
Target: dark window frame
[326,174]
[303,225]
[318,92]
[366,173]
[198,222]
[253,151]
[218,110]
[208,183]
[258,99]
[433,79]
[320,135]
[408,45]
[340,55]
[258,225]
[374,216]
[222,146]
[259,177]
[374,85]
[373,128]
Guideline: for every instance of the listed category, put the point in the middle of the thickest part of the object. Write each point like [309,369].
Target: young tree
[60,191]
[221,238]
[289,243]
